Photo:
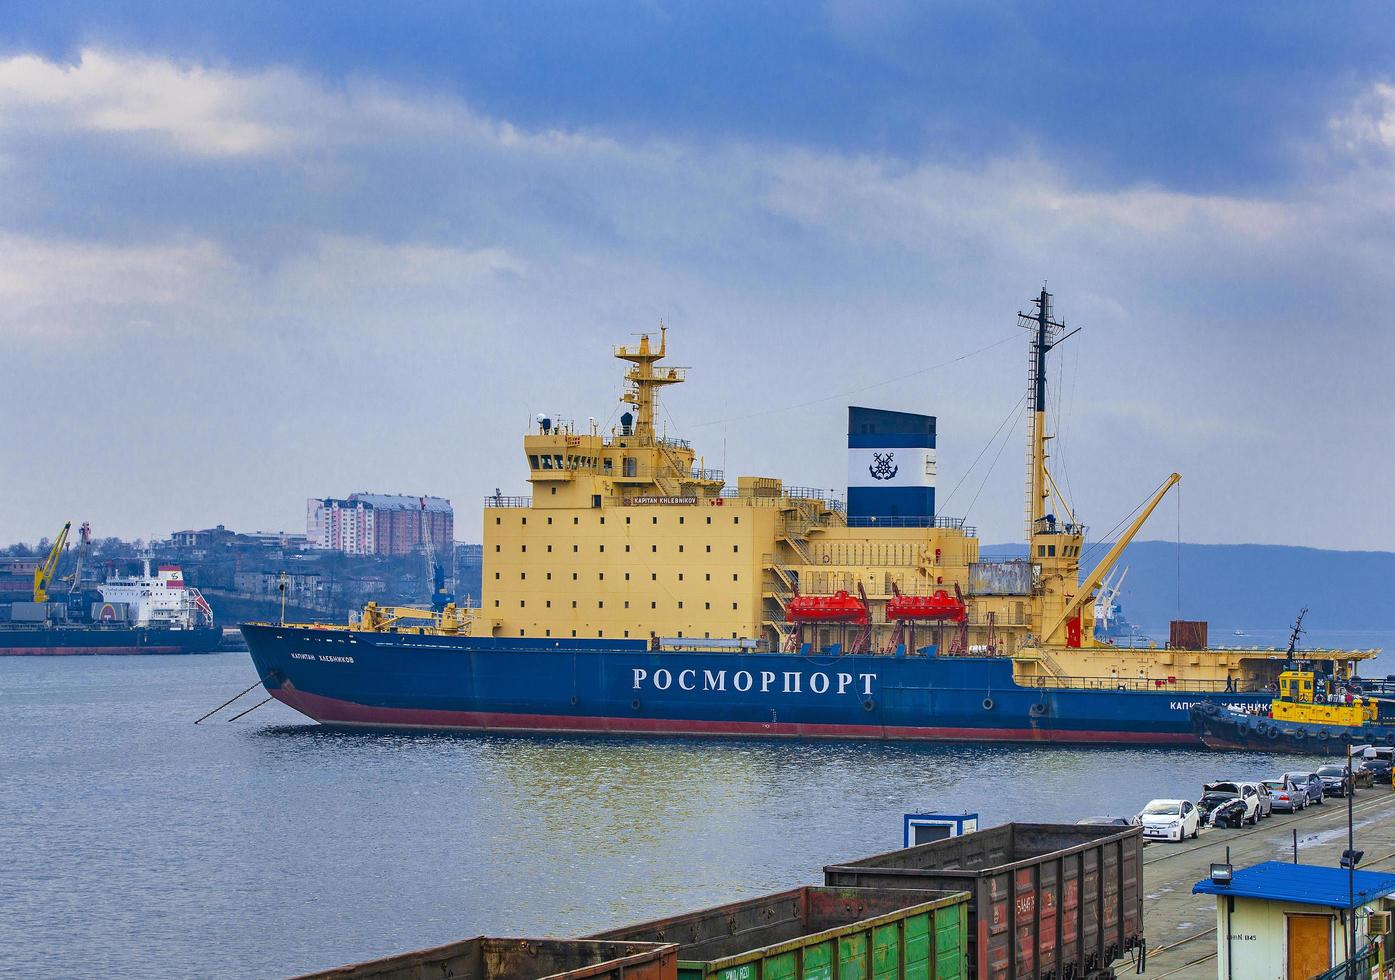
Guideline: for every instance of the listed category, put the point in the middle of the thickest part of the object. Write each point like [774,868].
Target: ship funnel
[627,421]
[891,468]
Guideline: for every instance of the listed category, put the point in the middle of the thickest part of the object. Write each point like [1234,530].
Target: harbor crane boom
[43,575]
[1092,581]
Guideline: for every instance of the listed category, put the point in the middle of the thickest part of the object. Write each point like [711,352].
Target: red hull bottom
[331,711]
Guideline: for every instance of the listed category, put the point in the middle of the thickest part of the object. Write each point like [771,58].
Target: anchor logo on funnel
[884,468]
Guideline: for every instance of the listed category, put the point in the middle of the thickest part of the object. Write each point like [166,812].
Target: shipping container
[811,932]
[484,958]
[1000,578]
[1186,634]
[36,612]
[1046,899]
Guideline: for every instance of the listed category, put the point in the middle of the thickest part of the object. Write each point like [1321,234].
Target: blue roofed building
[1290,921]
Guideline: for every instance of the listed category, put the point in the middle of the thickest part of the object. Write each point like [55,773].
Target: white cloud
[55,289]
[217,112]
[432,239]
[1369,127]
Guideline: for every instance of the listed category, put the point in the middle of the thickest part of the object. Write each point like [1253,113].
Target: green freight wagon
[1048,900]
[484,958]
[814,933]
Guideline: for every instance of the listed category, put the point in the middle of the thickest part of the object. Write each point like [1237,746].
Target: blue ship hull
[353,678]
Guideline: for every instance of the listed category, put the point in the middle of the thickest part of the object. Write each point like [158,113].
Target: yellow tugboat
[1314,710]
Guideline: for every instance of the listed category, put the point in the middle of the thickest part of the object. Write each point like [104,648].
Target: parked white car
[1247,792]
[1266,805]
[1170,820]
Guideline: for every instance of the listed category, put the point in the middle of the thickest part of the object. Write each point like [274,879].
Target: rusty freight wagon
[484,958]
[811,932]
[1047,900]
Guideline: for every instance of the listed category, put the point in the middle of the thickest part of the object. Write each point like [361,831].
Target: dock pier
[1181,927]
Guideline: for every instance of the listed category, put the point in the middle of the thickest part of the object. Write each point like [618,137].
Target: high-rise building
[379,524]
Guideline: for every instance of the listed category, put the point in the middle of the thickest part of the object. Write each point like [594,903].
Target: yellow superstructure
[628,535]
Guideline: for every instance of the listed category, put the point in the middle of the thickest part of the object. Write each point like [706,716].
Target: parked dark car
[1105,822]
[1222,810]
[1334,780]
[1309,783]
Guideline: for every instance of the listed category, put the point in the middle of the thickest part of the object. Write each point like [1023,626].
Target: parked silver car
[1309,782]
[1287,798]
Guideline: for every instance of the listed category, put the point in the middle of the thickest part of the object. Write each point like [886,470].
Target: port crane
[435,574]
[43,575]
[84,546]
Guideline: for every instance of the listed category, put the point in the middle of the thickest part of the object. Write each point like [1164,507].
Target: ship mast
[1047,333]
[645,382]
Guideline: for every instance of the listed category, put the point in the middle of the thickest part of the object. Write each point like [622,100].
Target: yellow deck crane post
[43,575]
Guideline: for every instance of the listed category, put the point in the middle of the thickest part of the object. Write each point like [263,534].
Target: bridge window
[573,576]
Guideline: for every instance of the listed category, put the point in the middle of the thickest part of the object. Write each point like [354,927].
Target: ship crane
[43,575]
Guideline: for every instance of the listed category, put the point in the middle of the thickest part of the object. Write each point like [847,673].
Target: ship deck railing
[1179,685]
[895,520]
[500,500]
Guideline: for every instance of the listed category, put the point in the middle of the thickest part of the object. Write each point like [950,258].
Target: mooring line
[220,707]
[250,710]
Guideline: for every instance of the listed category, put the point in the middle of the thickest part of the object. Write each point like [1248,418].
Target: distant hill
[1250,585]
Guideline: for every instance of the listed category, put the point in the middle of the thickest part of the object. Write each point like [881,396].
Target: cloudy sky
[268,251]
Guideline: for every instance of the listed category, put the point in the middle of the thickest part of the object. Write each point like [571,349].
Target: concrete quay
[1181,927]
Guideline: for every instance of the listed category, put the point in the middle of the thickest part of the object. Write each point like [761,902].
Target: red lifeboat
[837,608]
[940,606]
